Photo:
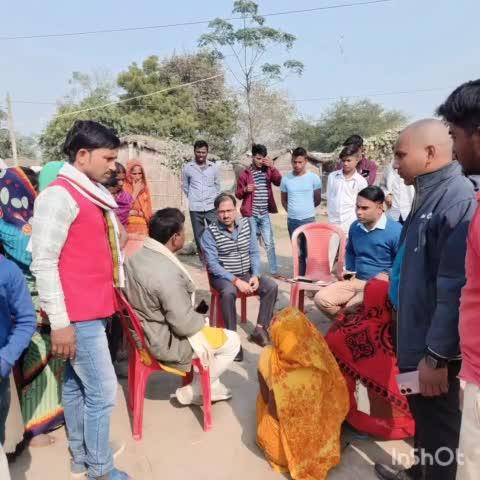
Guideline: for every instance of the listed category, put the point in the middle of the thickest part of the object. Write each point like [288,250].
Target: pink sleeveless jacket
[85,263]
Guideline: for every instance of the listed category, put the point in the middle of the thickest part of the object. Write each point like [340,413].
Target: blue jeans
[292,225]
[263,226]
[4,405]
[89,394]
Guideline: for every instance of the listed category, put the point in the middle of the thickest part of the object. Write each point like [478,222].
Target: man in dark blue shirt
[372,245]
[17,325]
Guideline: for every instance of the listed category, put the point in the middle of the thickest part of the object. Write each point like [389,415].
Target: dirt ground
[174,445]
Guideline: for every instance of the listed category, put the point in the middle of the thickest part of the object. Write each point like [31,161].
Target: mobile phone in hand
[409,383]
[349,275]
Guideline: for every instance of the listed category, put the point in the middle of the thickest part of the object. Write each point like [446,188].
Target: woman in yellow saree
[303,399]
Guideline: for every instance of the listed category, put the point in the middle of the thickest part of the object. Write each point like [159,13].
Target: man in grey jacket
[427,277]
[162,292]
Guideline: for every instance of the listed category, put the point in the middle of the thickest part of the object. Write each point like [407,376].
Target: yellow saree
[303,399]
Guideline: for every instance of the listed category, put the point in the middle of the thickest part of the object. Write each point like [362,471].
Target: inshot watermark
[442,457]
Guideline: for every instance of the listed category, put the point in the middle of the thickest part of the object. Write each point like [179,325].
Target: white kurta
[342,198]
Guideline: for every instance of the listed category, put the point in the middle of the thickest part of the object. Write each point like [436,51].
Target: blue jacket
[17,315]
[432,272]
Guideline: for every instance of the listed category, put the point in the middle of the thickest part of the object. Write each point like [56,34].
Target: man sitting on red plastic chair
[162,292]
[233,261]
[372,246]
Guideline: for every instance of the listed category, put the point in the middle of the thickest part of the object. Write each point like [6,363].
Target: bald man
[427,278]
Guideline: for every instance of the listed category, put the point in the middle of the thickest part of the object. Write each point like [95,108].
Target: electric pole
[11,130]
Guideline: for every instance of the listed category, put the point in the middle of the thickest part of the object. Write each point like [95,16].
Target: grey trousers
[267,291]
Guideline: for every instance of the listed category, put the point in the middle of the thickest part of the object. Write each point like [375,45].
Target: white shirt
[54,212]
[402,195]
[380,225]
[342,198]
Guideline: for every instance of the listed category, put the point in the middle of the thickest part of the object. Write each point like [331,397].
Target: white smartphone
[409,383]
[348,275]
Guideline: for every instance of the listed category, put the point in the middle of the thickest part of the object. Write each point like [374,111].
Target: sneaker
[185,395]
[384,472]
[80,470]
[220,393]
[114,475]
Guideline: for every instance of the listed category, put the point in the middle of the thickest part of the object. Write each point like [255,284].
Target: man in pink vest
[462,112]
[76,262]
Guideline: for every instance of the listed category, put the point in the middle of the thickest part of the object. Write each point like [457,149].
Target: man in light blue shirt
[301,194]
[201,185]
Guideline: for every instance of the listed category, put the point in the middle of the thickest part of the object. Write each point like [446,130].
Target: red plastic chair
[318,237]
[141,365]
[216,307]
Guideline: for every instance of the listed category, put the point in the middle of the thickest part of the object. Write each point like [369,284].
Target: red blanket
[362,344]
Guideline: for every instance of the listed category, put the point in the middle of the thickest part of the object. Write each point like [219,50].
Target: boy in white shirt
[342,189]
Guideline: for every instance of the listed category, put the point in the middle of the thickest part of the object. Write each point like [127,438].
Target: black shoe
[260,337]
[386,473]
[239,357]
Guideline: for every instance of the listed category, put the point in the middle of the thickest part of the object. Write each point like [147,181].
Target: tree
[249,44]
[26,145]
[184,113]
[87,91]
[200,110]
[363,117]
[272,118]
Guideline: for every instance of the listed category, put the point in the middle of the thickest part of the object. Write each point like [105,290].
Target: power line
[29,102]
[184,24]
[375,94]
[163,90]
[308,99]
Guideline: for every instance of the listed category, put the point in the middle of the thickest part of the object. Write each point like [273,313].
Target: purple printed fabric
[124,201]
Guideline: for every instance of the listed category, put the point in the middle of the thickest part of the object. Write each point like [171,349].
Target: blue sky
[402,45]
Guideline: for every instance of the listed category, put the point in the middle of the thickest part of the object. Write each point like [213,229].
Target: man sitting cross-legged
[371,248]
[162,292]
[233,261]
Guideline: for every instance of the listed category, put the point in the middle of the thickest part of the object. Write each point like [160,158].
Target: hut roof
[169,148]
[23,162]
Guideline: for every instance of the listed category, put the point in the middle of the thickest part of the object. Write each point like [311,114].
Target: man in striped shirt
[233,262]
[254,188]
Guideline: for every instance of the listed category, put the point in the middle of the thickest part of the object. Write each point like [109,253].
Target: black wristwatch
[435,362]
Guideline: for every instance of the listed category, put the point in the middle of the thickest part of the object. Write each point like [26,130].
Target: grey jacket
[432,273]
[160,293]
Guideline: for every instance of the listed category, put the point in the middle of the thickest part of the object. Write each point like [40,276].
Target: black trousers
[267,291]
[199,219]
[114,336]
[437,430]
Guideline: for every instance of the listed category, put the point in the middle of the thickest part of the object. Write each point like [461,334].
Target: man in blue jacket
[427,277]
[17,325]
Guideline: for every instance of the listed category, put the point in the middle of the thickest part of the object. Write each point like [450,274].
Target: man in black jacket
[427,277]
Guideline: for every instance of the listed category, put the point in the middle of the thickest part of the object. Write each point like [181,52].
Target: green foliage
[249,43]
[170,114]
[380,147]
[95,91]
[201,110]
[26,145]
[363,117]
